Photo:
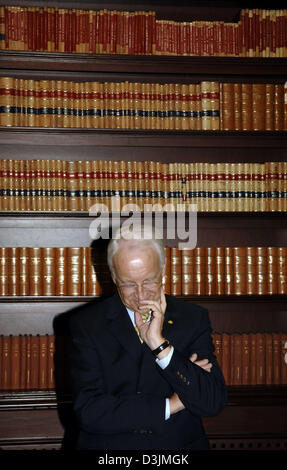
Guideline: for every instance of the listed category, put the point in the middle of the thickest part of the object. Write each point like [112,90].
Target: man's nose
[140,293]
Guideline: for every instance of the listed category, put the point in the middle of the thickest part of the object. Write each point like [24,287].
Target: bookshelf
[256,415]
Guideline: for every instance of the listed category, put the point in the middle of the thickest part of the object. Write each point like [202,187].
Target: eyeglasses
[148,285]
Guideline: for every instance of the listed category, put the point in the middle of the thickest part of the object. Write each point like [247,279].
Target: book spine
[15,363]
[236,359]
[43,362]
[260,359]
[2,28]
[7,101]
[23,260]
[6,363]
[237,106]
[246,106]
[199,274]
[283,362]
[187,271]
[48,273]
[258,106]
[282,270]
[251,280]
[246,364]
[229,279]
[175,271]
[269,109]
[210,270]
[261,271]
[239,267]
[61,273]
[4,270]
[278,107]
[74,269]
[50,362]
[272,271]
[23,362]
[253,359]
[226,355]
[166,272]
[35,362]
[13,271]
[35,271]
[268,359]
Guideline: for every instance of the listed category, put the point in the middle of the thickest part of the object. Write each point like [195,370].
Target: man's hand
[174,402]
[204,363]
[151,332]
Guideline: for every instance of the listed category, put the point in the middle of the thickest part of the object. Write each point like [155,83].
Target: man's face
[138,273]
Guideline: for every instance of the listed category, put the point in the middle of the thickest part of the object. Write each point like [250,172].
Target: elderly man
[142,362]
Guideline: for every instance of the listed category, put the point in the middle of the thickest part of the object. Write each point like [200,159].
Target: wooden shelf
[231,67]
[213,229]
[85,215]
[276,298]
[41,136]
[255,395]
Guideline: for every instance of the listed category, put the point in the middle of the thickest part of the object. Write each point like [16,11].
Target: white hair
[142,235]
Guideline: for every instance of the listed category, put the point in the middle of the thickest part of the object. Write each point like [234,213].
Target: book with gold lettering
[246,90]
[35,271]
[23,263]
[43,362]
[175,271]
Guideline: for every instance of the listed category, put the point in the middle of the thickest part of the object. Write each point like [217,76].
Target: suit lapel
[173,327]
[122,328]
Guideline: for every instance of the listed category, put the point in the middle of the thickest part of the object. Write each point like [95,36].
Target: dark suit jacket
[120,391]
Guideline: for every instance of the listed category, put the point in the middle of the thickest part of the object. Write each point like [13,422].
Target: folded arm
[199,385]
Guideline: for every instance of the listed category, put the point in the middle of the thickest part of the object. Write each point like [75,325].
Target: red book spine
[43,362]
[73,30]
[283,361]
[246,359]
[67,30]
[106,31]
[35,353]
[253,361]
[28,363]
[15,363]
[6,363]
[51,353]
[260,359]
[276,359]
[23,362]
[269,359]
[113,36]
[236,359]
[226,355]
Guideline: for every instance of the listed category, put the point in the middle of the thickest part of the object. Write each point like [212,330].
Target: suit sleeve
[202,393]
[96,410]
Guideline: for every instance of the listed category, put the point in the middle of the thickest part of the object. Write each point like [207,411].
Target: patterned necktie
[145,318]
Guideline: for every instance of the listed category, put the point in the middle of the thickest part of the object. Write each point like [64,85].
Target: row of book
[59,185]
[253,358]
[83,271]
[38,362]
[226,271]
[258,33]
[28,362]
[207,105]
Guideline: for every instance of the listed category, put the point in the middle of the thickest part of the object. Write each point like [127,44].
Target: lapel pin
[170,322]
